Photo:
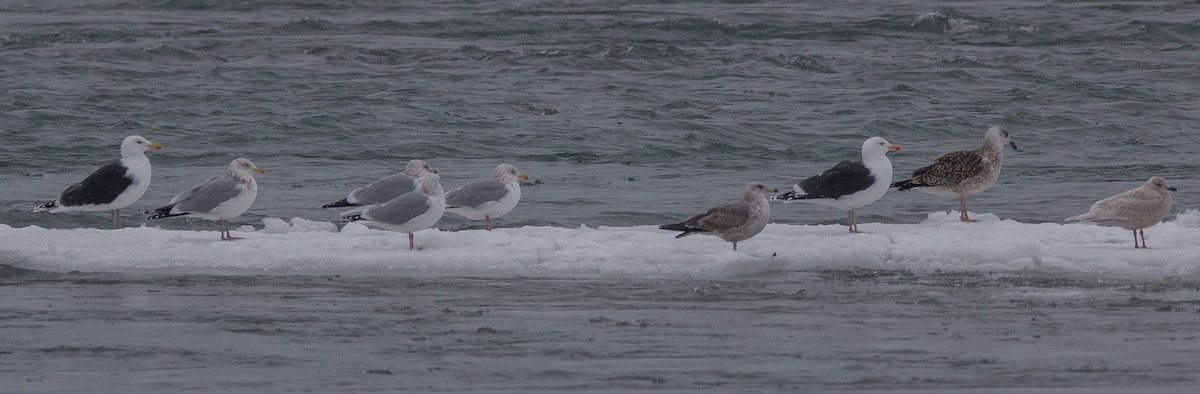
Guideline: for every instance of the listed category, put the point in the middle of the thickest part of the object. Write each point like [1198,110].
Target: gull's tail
[339,204]
[46,207]
[1087,217]
[908,184]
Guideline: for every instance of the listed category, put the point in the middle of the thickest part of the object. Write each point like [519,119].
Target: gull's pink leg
[735,246]
[410,241]
[116,218]
[962,208]
[225,235]
[488,220]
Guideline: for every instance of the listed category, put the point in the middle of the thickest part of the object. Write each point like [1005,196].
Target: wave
[301,246]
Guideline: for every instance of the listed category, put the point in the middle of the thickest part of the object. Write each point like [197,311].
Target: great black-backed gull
[386,188]
[113,186]
[963,173]
[410,212]
[219,198]
[489,198]
[1136,209]
[732,222]
[849,184]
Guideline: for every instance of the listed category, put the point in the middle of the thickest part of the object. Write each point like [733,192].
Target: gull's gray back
[476,193]
[384,189]
[399,210]
[206,196]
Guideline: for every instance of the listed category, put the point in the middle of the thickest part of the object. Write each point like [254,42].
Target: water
[624,114]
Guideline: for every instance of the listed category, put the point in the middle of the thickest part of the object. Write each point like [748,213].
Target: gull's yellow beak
[894,148]
[523,177]
[260,170]
[156,146]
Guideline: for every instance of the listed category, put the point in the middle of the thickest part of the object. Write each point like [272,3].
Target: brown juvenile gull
[732,222]
[113,186]
[849,184]
[219,198]
[1134,210]
[386,188]
[963,173]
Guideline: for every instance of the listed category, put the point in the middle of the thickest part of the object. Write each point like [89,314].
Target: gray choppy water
[625,113]
[835,331]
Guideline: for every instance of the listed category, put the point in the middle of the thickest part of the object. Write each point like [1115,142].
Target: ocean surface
[624,114]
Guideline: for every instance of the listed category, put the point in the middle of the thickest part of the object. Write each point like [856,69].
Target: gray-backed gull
[487,199]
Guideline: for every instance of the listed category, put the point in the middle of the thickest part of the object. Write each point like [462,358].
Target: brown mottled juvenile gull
[410,212]
[849,184]
[1134,209]
[732,222]
[963,173]
[386,188]
[113,186]
[219,198]
[487,199]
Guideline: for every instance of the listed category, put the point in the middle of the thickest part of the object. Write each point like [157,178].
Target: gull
[849,184]
[410,212]
[113,186]
[1134,209]
[219,198]
[384,189]
[963,173]
[489,198]
[733,222]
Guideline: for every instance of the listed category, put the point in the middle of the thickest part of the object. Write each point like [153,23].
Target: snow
[301,246]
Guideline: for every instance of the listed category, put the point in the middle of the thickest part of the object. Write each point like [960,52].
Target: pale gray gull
[113,186]
[219,198]
[409,212]
[386,188]
[487,199]
[1136,209]
[733,222]
[849,184]
[963,173]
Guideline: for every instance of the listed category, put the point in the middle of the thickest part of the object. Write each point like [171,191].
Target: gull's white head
[877,146]
[1159,184]
[756,189]
[135,143]
[418,168]
[245,167]
[431,185]
[999,134]
[508,173]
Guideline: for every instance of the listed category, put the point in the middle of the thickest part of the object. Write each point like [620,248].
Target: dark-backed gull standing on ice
[731,222]
[410,212]
[1136,209]
[219,198]
[487,199]
[116,185]
[384,189]
[849,184]
[963,173]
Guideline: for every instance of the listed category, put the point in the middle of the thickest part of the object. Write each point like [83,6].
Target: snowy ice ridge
[301,246]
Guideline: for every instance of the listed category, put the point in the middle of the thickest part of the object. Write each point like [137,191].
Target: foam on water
[310,247]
